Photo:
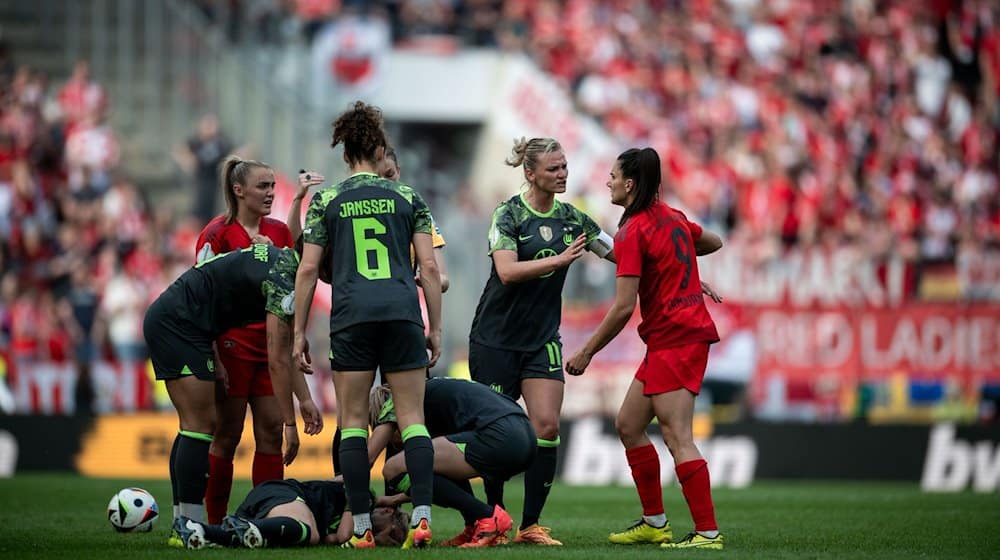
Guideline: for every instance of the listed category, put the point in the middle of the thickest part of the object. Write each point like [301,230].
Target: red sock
[267,467]
[697,489]
[220,483]
[645,465]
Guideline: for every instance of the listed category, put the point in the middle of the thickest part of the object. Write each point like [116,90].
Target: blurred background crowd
[782,124]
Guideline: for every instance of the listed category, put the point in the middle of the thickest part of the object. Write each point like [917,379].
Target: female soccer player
[248,187]
[292,513]
[369,224]
[656,248]
[223,292]
[514,344]
[477,433]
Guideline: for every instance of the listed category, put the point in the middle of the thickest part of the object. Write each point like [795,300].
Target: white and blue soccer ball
[132,510]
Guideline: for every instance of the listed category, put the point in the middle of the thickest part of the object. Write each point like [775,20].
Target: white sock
[421,512]
[659,520]
[362,523]
[709,534]
[193,511]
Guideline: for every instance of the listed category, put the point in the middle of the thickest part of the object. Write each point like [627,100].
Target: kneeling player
[476,433]
[281,513]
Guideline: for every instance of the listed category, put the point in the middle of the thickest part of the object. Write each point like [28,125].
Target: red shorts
[247,378]
[670,369]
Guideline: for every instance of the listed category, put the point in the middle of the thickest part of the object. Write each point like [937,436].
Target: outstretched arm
[626,293]
[279,364]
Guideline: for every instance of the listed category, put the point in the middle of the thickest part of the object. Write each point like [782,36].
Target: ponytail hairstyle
[233,170]
[360,130]
[643,167]
[526,152]
[377,397]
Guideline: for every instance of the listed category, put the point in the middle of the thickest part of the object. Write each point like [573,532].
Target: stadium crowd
[830,122]
[872,123]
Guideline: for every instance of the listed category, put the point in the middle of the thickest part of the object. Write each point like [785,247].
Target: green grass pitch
[63,516]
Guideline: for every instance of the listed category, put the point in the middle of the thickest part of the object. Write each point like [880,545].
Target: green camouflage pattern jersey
[524,316]
[454,405]
[369,223]
[235,289]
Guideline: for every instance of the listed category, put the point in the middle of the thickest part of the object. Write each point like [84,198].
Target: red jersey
[249,342]
[657,245]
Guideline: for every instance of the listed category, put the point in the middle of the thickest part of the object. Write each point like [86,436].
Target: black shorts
[503,448]
[176,349]
[265,497]
[503,370]
[387,345]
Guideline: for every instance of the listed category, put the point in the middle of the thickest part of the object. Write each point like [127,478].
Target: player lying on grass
[288,512]
[476,433]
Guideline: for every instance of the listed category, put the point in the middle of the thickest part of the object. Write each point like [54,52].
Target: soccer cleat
[188,532]
[488,529]
[364,541]
[642,533]
[246,532]
[536,534]
[419,535]
[695,540]
[461,538]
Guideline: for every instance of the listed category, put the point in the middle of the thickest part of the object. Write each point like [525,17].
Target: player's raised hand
[574,251]
[308,179]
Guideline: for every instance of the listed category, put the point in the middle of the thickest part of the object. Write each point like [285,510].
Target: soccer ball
[132,510]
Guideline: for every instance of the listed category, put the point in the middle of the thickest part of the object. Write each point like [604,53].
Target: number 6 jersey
[369,223]
[657,245]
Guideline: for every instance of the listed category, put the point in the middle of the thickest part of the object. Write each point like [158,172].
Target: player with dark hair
[514,344]
[248,188]
[369,223]
[656,248]
[280,513]
[477,433]
[223,292]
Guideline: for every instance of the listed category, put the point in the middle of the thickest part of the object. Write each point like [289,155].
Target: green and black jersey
[235,289]
[325,498]
[369,224]
[526,315]
[457,405]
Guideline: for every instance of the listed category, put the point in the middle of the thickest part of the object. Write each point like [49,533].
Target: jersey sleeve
[436,238]
[208,244]
[695,230]
[279,285]
[423,222]
[503,230]
[387,414]
[628,252]
[590,227]
[315,230]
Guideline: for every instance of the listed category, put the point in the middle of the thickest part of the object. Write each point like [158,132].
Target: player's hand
[300,349]
[291,443]
[574,251]
[434,345]
[261,239]
[308,179]
[578,363]
[707,289]
[311,417]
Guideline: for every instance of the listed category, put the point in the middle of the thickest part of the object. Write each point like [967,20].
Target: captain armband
[602,245]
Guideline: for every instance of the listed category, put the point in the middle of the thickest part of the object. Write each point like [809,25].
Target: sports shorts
[247,378]
[176,348]
[387,345]
[670,369]
[503,448]
[503,370]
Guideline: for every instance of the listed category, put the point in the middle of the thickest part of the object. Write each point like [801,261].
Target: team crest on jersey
[288,303]
[545,232]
